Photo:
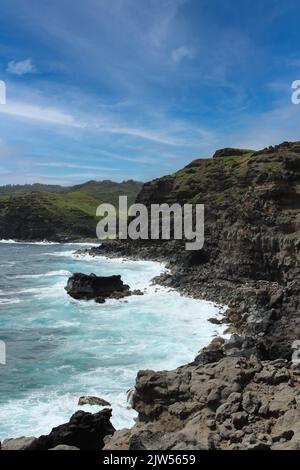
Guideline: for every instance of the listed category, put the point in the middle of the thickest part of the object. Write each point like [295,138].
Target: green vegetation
[62,213]
[271,166]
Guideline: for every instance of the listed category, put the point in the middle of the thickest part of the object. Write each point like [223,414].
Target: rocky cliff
[250,259]
[244,393]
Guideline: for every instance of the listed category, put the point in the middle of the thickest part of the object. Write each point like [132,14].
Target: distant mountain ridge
[57,213]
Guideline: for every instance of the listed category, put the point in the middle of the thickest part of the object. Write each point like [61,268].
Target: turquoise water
[59,349]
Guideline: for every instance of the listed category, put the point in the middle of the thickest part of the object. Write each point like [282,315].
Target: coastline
[231,396]
[142,299]
[258,408]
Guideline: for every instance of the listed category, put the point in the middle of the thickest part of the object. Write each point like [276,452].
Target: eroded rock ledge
[234,403]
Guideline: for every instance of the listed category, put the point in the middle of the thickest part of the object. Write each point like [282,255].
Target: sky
[135,89]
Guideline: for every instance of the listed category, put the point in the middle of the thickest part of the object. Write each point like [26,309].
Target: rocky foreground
[235,402]
[243,393]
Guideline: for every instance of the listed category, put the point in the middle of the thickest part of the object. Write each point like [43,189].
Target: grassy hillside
[57,213]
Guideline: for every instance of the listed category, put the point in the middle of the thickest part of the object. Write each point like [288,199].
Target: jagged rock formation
[84,431]
[233,403]
[250,259]
[87,400]
[86,287]
[243,394]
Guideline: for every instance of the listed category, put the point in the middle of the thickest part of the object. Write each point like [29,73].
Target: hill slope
[41,212]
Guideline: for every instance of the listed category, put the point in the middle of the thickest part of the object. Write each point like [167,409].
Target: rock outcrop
[251,255]
[233,402]
[87,400]
[243,394]
[84,286]
[86,431]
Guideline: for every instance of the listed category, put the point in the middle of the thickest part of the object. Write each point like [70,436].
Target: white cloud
[21,67]
[74,166]
[40,113]
[183,52]
[158,137]
[102,124]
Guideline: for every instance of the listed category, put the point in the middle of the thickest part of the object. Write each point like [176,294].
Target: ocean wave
[55,290]
[8,301]
[35,415]
[46,242]
[60,272]
[64,254]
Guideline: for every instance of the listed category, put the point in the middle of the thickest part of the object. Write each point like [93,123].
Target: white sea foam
[8,301]
[63,254]
[60,272]
[96,349]
[46,242]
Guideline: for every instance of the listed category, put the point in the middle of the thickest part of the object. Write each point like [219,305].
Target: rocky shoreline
[243,393]
[232,396]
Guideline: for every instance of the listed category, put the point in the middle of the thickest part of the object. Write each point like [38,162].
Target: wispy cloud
[74,166]
[153,125]
[39,113]
[183,52]
[21,67]
[158,137]
[139,85]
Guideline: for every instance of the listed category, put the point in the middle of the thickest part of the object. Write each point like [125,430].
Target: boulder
[87,400]
[86,287]
[64,447]
[19,443]
[86,431]
[251,403]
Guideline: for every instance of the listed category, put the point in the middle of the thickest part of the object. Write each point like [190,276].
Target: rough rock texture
[20,443]
[233,403]
[87,400]
[64,447]
[243,394]
[86,431]
[84,286]
[250,259]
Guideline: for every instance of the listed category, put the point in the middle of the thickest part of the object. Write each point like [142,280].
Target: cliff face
[252,237]
[252,210]
[243,393]
[250,259]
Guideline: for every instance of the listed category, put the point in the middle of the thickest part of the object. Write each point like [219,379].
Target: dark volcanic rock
[217,405]
[243,393]
[251,254]
[84,430]
[87,400]
[83,286]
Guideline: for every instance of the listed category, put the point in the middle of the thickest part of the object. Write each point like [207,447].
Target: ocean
[59,349]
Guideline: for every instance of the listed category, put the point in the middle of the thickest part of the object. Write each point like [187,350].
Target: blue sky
[119,89]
